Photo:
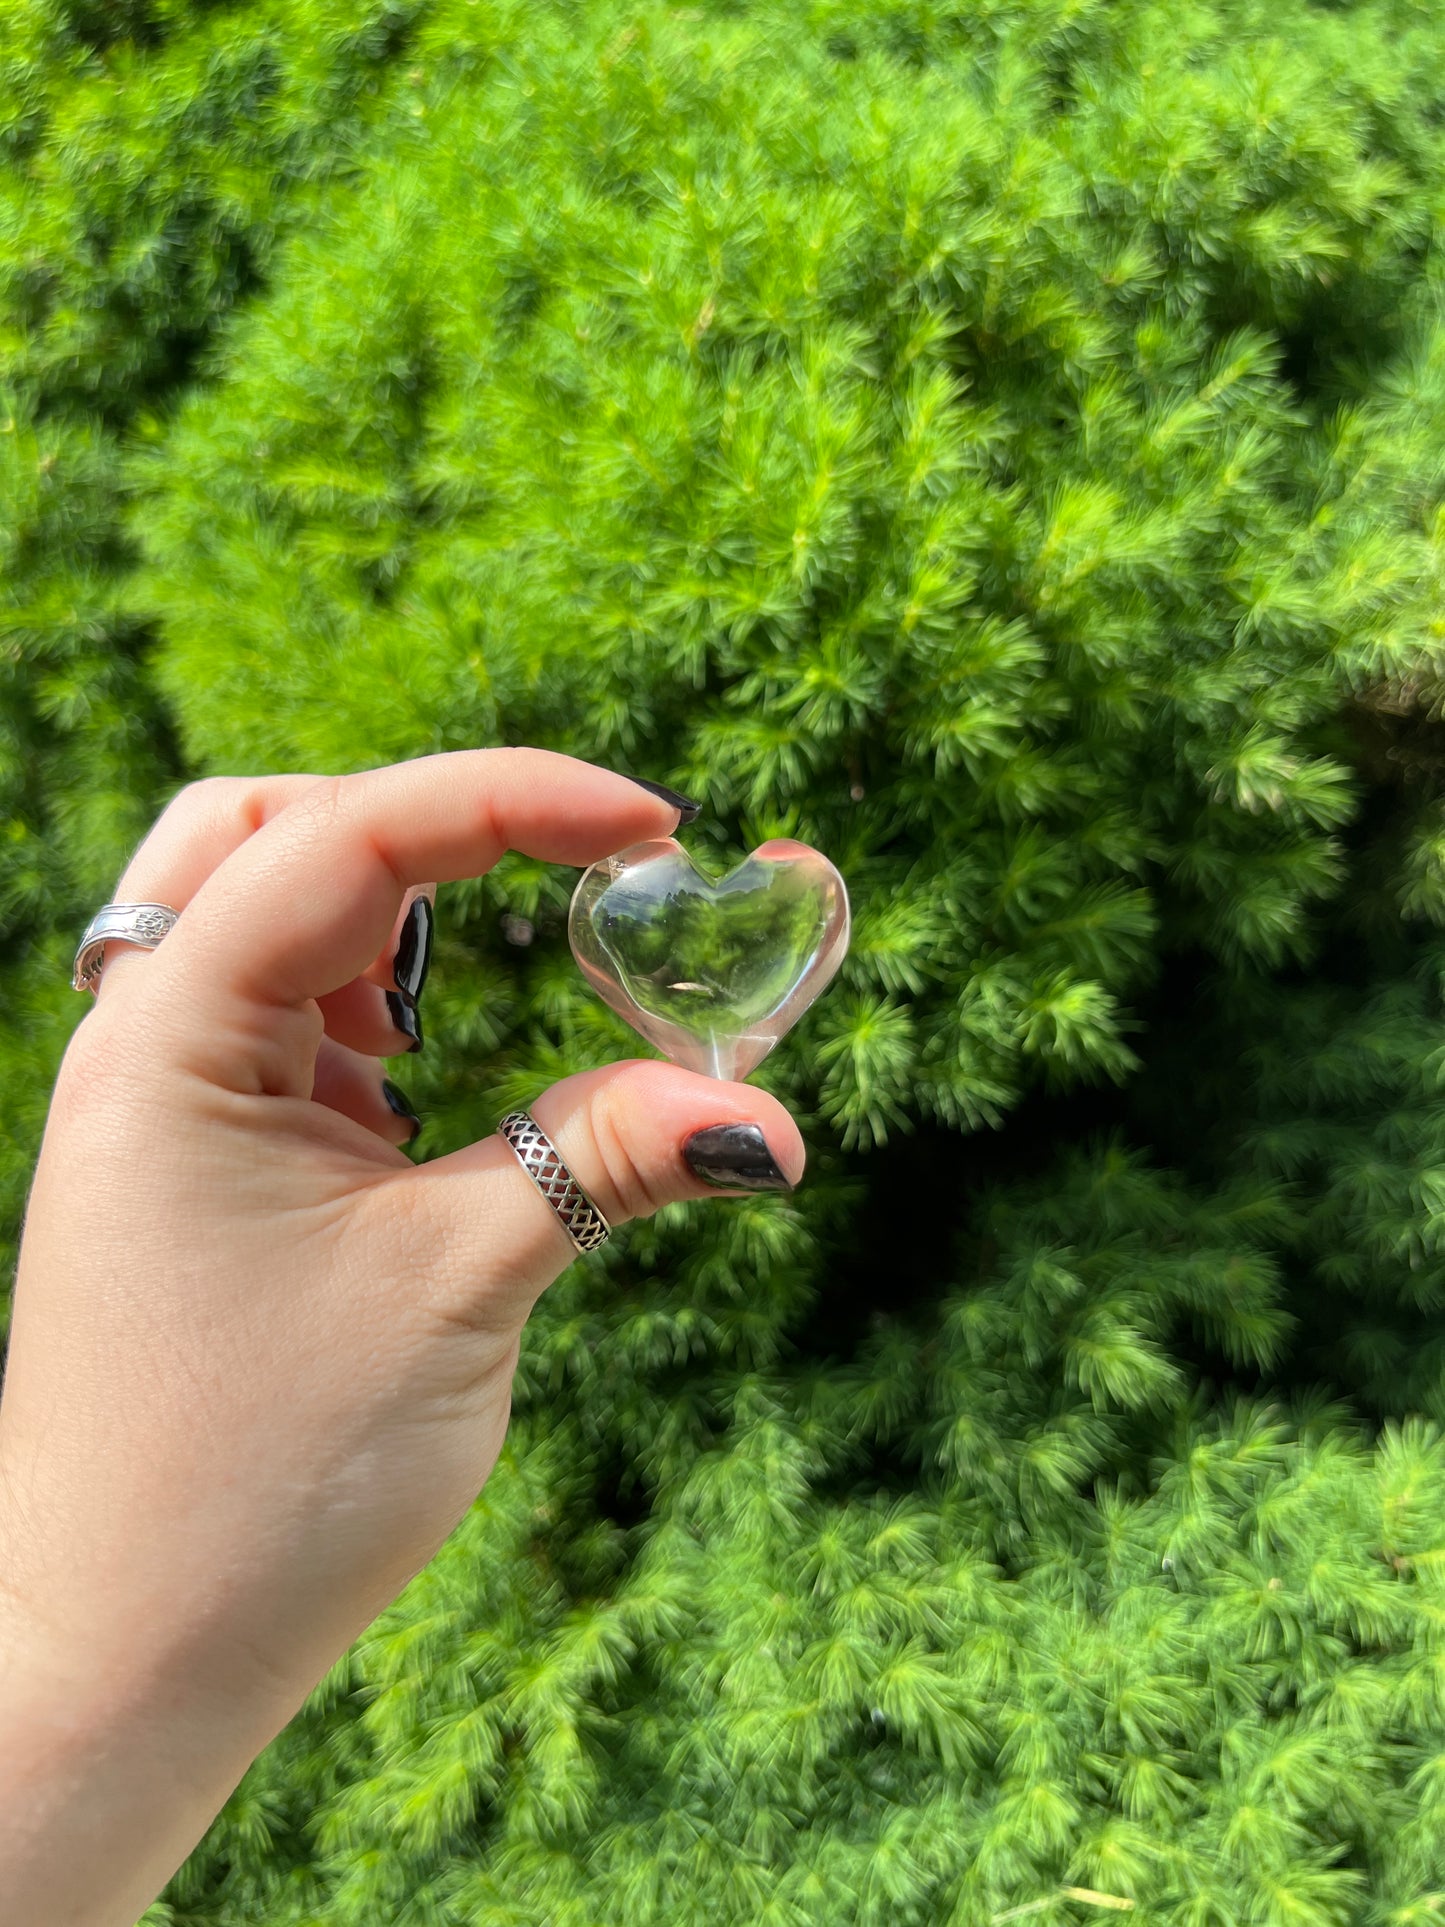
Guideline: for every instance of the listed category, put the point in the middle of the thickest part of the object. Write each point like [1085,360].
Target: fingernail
[413,948]
[734,1156]
[397,1102]
[405,1016]
[685,804]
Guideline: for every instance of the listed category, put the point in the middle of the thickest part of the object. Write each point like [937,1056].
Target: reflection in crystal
[711,973]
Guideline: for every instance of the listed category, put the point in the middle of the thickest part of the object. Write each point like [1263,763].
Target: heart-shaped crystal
[713,974]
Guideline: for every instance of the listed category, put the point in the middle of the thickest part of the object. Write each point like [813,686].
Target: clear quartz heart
[711,973]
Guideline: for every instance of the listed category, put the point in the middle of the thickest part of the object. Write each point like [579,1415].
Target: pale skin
[260,1362]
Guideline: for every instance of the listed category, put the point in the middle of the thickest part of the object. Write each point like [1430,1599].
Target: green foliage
[1004,445]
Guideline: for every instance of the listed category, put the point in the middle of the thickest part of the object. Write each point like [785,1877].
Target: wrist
[121,1735]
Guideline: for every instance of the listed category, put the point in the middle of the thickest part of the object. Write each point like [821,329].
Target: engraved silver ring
[540,1159]
[139,923]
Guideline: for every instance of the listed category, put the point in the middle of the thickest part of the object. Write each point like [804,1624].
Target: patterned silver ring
[140,923]
[582,1221]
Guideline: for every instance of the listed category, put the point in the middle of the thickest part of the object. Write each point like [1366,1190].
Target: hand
[260,1362]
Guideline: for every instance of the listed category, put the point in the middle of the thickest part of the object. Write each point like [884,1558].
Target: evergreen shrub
[1002,443]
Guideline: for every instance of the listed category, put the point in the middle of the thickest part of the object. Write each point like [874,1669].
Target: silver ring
[141,923]
[582,1221]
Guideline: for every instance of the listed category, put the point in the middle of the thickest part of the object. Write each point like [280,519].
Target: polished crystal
[711,973]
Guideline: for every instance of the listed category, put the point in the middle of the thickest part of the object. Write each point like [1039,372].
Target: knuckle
[334,810]
[633,1190]
[207,796]
[327,801]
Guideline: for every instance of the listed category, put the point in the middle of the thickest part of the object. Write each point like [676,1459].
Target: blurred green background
[1002,444]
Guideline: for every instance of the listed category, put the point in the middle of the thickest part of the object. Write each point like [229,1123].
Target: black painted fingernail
[734,1156]
[413,948]
[397,1101]
[685,804]
[405,1016]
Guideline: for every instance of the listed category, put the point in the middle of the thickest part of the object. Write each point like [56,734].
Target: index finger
[304,905]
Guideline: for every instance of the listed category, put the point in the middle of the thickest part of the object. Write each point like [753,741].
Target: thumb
[635,1136]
